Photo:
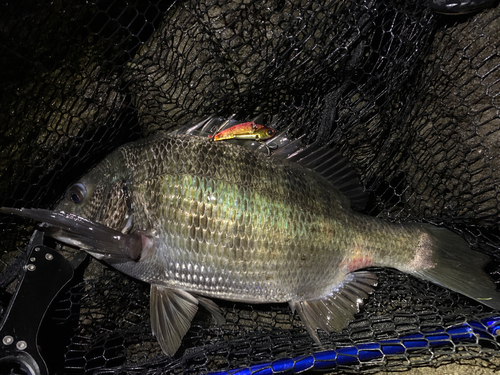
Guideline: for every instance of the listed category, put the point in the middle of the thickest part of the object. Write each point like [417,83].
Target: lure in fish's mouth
[100,240]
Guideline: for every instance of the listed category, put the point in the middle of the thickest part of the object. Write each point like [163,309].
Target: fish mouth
[103,242]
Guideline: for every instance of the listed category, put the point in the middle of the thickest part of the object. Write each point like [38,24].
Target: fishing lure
[246,130]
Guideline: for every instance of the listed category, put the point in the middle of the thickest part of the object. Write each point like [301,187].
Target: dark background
[409,96]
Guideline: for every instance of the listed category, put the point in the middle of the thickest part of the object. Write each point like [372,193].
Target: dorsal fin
[325,160]
[331,164]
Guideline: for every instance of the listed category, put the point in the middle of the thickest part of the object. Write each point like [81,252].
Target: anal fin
[212,308]
[334,311]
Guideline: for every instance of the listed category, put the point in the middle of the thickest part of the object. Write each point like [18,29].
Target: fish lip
[84,233]
[58,234]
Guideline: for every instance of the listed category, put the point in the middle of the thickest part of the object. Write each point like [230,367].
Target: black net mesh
[410,97]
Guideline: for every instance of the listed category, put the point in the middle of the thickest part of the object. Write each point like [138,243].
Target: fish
[245,130]
[200,220]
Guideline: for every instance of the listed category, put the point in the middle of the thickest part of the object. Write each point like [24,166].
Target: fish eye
[270,132]
[76,193]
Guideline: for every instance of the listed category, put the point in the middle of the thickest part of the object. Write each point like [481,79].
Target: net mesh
[410,97]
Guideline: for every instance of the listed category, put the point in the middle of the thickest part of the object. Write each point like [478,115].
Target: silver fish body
[198,219]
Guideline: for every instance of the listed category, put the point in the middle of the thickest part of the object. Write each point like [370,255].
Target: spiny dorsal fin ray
[334,311]
[203,128]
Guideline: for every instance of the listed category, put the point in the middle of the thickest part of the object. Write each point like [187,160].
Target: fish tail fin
[455,266]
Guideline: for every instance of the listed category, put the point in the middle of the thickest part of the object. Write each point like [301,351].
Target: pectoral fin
[334,311]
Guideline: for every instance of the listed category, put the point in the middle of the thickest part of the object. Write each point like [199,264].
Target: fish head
[102,195]
[95,214]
